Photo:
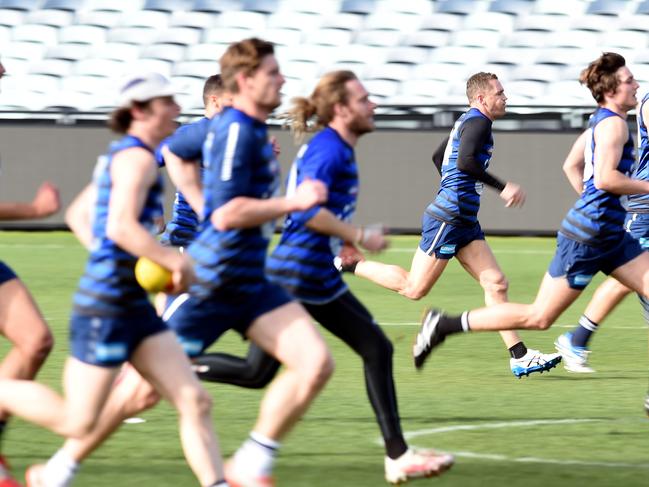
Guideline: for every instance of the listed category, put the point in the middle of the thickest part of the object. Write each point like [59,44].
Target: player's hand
[46,202]
[349,253]
[513,195]
[309,193]
[277,150]
[348,257]
[372,238]
[183,275]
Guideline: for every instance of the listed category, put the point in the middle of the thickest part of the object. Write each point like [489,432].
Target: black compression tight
[349,320]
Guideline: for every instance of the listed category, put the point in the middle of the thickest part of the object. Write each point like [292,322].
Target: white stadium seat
[399,45]
[68,52]
[83,34]
[45,34]
[167,52]
[55,18]
[27,50]
[205,52]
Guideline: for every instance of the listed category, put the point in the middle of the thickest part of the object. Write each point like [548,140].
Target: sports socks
[518,351]
[257,453]
[449,325]
[60,469]
[395,447]
[582,334]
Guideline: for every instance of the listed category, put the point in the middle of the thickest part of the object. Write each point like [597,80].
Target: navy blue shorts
[579,262]
[637,224]
[110,341]
[444,239]
[6,274]
[199,323]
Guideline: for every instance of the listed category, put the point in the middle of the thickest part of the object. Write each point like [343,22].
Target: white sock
[60,469]
[257,454]
[465,322]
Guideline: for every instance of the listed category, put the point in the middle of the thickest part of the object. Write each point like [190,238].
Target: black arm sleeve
[438,155]
[474,134]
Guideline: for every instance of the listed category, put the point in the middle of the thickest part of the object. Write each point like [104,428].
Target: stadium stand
[72,47]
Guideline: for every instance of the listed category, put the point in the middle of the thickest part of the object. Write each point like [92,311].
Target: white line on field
[552,461]
[411,250]
[514,424]
[503,424]
[418,323]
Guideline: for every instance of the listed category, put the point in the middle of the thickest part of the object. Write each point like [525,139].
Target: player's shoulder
[329,140]
[232,122]
[197,125]
[475,117]
[327,149]
[608,122]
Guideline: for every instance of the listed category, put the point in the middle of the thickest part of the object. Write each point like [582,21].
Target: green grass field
[551,429]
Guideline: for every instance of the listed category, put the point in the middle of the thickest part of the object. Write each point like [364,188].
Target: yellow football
[152,277]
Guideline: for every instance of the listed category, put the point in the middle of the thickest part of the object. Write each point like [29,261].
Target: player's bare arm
[573,166]
[46,202]
[133,171]
[610,136]
[246,212]
[324,221]
[77,216]
[186,177]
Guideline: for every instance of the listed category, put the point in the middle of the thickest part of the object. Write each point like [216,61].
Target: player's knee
[377,349]
[81,424]
[144,400]
[194,400]
[538,320]
[38,345]
[319,370]
[494,283]
[260,378]
[414,294]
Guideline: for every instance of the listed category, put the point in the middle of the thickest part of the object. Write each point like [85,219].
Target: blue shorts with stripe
[109,341]
[444,239]
[637,224]
[578,262]
[198,323]
[6,274]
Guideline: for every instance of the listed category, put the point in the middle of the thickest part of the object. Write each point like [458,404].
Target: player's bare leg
[479,261]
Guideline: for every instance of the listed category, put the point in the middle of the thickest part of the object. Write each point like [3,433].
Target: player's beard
[361,125]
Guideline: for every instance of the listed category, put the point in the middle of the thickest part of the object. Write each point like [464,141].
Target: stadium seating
[64,48]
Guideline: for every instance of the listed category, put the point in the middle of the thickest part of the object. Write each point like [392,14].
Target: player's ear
[340,110]
[241,79]
[138,112]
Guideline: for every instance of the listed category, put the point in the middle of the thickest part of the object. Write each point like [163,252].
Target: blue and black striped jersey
[302,262]
[108,286]
[639,203]
[597,218]
[458,198]
[186,143]
[239,161]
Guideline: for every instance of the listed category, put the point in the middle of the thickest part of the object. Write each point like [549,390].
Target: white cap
[143,88]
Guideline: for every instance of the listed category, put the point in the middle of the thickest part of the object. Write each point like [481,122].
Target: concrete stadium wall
[398,179]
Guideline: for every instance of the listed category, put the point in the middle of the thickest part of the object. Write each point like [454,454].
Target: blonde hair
[246,55]
[331,89]
[477,83]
